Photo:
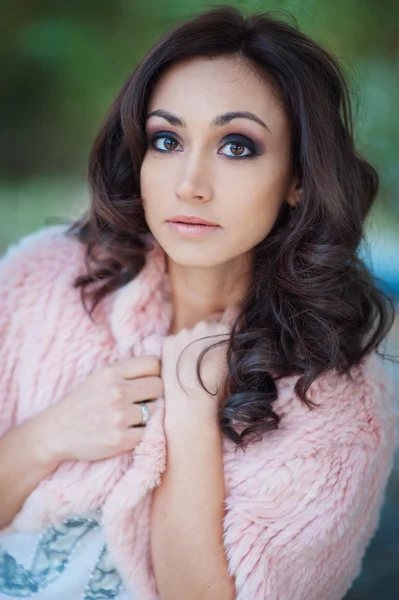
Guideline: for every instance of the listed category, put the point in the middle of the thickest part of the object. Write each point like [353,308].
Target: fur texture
[301,505]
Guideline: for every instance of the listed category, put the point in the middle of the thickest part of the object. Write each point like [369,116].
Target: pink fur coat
[301,504]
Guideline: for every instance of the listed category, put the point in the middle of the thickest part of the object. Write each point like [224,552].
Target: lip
[192,230]
[191,220]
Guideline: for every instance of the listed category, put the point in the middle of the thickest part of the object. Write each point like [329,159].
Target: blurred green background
[62,63]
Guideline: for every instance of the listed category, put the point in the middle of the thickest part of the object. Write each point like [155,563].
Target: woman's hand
[189,401]
[99,418]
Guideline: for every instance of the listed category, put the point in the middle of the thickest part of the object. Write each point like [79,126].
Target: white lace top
[66,562]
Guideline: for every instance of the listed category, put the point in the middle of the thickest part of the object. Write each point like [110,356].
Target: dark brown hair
[312,305]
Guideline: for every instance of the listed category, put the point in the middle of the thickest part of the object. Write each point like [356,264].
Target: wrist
[190,420]
[46,441]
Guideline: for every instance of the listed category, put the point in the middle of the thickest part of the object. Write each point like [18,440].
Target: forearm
[24,462]
[187,518]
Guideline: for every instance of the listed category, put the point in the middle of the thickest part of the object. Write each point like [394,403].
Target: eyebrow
[217,121]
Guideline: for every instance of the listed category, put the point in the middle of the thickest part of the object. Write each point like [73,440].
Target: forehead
[202,86]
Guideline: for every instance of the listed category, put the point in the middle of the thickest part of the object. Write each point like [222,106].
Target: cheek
[145,177]
[147,190]
[152,172]
[257,217]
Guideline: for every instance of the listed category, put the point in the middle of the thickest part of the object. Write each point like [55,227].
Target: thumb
[230,314]
[215,316]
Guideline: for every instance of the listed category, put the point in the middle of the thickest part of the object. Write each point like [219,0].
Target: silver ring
[145,414]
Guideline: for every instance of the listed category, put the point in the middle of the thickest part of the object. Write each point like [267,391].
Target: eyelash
[154,138]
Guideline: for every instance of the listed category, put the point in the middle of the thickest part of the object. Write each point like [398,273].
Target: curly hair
[312,305]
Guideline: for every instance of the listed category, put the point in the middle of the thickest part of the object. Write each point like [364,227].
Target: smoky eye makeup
[151,138]
[233,138]
[239,138]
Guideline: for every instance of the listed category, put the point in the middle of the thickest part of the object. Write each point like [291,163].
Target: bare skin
[201,172]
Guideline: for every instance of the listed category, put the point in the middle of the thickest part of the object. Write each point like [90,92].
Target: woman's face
[233,172]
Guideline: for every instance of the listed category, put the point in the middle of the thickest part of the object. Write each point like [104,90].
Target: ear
[294,193]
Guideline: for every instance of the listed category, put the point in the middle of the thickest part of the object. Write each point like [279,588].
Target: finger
[144,388]
[139,366]
[133,436]
[134,414]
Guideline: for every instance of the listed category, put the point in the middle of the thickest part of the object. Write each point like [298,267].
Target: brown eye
[169,143]
[237,149]
[166,143]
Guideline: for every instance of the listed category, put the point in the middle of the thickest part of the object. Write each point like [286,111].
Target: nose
[194,183]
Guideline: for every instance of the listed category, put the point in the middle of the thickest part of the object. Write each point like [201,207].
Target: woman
[227,206]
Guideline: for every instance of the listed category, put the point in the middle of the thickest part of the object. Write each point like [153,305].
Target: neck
[199,292]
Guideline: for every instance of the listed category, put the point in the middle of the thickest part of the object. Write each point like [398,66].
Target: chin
[194,257]
[189,252]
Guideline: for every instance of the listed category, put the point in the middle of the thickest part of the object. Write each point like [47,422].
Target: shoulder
[357,415]
[46,247]
[358,408]
[352,408]
[38,272]
[40,258]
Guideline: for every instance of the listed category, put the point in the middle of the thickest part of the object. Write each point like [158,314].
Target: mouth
[187,220]
[192,227]
[198,225]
